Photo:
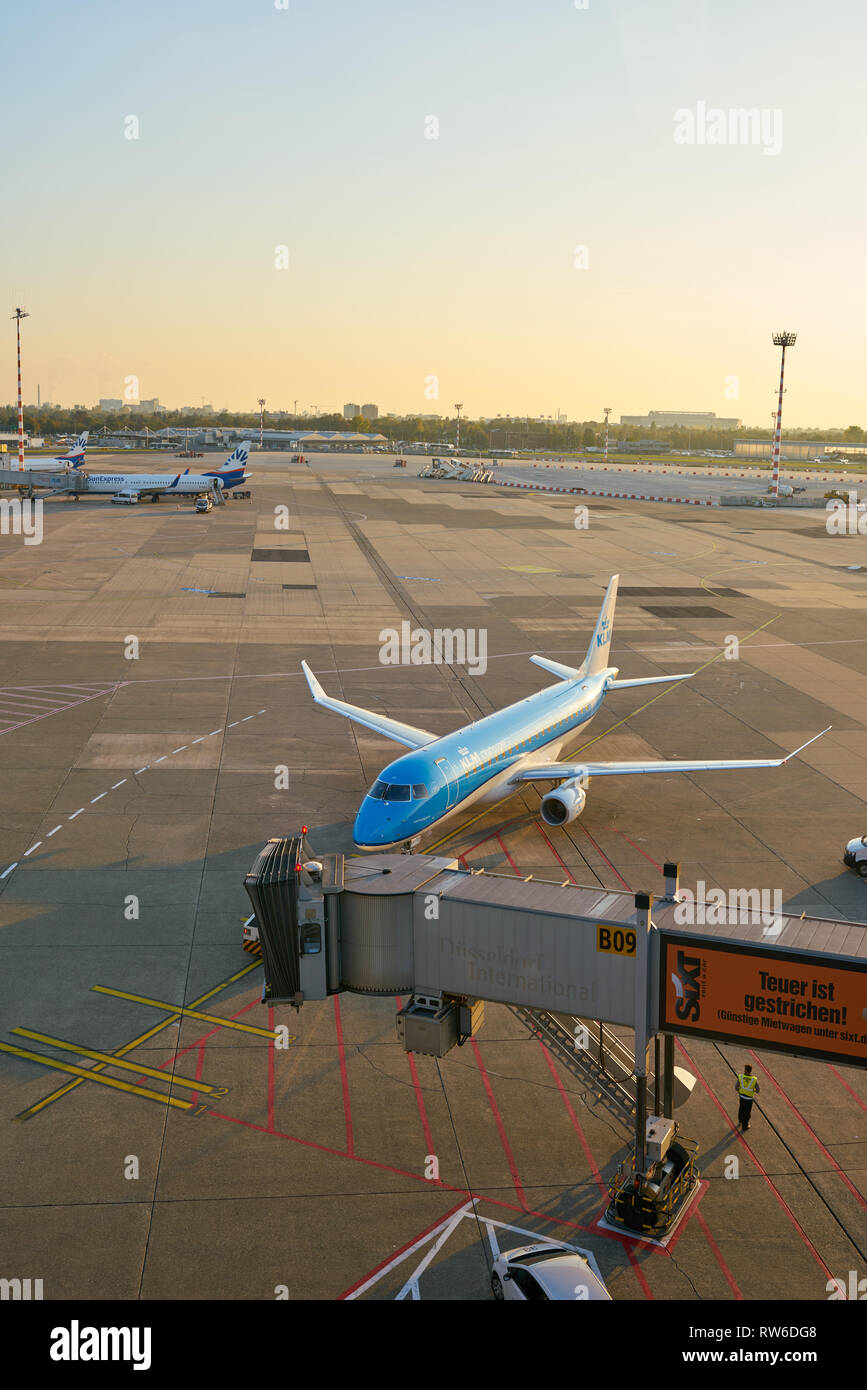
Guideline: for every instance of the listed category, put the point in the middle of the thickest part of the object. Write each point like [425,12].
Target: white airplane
[493,757]
[73,458]
[231,474]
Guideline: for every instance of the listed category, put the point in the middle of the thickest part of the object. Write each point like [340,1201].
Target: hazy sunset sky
[452,257]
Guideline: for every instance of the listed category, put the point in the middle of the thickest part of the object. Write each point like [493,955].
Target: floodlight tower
[18,316]
[458,408]
[782,341]
[261,420]
[607,413]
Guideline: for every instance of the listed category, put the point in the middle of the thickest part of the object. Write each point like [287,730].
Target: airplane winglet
[315,688]
[794,754]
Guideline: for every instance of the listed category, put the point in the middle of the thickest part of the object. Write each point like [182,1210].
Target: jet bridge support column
[643,904]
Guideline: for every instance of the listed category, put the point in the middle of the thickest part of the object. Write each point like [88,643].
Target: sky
[525,207]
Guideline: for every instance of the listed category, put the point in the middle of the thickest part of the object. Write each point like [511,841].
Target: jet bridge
[568,960]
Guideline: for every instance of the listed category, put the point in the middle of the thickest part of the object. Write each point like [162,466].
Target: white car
[125,499]
[855,855]
[539,1273]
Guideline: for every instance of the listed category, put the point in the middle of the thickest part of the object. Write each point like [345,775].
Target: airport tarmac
[151,693]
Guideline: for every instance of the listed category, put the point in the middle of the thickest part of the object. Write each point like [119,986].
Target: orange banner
[778,999]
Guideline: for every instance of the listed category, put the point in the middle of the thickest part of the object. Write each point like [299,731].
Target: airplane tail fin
[75,455]
[238,459]
[600,643]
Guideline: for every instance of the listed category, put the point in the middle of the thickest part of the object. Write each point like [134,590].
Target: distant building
[804,449]
[687,419]
[370,411]
[110,403]
[151,407]
[350,410]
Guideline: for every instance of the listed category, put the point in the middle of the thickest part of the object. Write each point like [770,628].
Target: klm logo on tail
[603,636]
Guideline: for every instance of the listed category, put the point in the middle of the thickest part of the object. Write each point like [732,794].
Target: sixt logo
[603,636]
[686,979]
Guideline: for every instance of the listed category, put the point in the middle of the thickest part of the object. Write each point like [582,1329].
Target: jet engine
[564,805]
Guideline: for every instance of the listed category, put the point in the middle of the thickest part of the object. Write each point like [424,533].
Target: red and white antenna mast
[18,316]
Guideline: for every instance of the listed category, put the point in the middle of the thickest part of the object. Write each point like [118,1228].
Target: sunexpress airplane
[490,759]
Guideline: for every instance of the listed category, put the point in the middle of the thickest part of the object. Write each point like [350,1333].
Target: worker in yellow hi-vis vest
[747,1087]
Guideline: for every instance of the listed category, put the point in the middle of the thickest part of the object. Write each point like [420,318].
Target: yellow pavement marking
[136,1042]
[111,1061]
[84,1075]
[186,1012]
[648,703]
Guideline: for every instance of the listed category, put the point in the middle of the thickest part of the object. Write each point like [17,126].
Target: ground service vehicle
[855,855]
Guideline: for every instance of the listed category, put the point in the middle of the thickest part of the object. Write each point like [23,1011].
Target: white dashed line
[114,786]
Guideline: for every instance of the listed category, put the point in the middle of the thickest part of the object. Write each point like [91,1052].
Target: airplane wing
[558,772]
[379,723]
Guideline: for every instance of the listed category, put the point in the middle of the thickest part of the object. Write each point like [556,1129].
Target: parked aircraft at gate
[231,474]
[490,759]
[73,458]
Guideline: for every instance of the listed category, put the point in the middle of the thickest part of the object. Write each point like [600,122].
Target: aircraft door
[451,777]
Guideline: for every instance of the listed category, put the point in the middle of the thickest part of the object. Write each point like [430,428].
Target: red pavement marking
[647,856]
[401,1172]
[182,1051]
[812,1133]
[271,1042]
[605,857]
[591,1161]
[344,1080]
[512,863]
[419,1098]
[563,866]
[729,1277]
[510,1157]
[413,1240]
[782,1201]
[845,1083]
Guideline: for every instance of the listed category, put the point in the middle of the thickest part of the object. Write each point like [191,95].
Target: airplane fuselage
[474,764]
[149,483]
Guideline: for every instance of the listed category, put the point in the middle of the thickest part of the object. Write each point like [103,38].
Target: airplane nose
[368,829]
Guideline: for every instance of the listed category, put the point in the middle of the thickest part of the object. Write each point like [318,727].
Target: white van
[125,499]
[855,855]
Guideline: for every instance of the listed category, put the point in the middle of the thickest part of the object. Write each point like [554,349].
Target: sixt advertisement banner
[782,1000]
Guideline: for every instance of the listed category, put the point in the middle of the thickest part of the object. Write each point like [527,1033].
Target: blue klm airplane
[490,759]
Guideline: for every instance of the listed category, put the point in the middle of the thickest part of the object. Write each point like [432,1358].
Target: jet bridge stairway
[594,1054]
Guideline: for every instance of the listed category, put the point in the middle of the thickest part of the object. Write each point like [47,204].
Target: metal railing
[592,1052]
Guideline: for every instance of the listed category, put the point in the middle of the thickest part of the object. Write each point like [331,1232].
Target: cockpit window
[378,790]
[419,791]
[396,792]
